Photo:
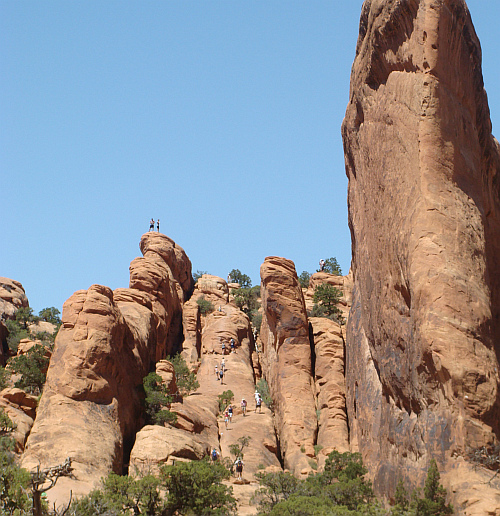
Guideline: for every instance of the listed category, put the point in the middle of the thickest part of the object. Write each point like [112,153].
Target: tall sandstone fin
[423,338]
[90,409]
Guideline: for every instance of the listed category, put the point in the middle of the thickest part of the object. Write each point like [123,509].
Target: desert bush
[32,366]
[205,305]
[157,401]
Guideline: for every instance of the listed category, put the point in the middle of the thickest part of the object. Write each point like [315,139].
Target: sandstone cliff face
[90,409]
[423,335]
[287,361]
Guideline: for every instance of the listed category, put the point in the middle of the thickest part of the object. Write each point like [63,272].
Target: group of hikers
[238,463]
[219,373]
[152,225]
[232,345]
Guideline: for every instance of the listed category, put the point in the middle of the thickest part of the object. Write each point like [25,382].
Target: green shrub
[198,274]
[326,297]
[206,306]
[236,449]
[4,377]
[50,315]
[32,366]
[185,379]
[263,389]
[243,280]
[256,320]
[14,481]
[16,333]
[156,400]
[225,399]
[196,488]
[332,267]
[304,279]
[317,449]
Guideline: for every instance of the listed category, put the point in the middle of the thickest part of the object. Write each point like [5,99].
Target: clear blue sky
[222,118]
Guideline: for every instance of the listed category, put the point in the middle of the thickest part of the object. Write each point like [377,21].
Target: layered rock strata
[424,211]
[286,358]
[90,409]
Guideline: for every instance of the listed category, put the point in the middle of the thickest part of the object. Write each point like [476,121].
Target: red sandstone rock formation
[20,407]
[333,432]
[423,338]
[12,297]
[90,408]
[287,361]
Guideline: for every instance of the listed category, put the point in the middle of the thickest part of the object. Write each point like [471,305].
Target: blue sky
[221,118]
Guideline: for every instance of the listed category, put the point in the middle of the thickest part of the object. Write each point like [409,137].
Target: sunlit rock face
[423,338]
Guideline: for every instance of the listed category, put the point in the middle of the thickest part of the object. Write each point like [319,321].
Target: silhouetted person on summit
[158,225]
[152,224]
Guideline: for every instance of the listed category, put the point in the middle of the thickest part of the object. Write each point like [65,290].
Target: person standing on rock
[158,225]
[322,265]
[230,412]
[232,345]
[223,364]
[223,346]
[239,468]
[226,418]
[258,404]
[221,376]
[215,455]
[152,224]
[244,406]
[217,371]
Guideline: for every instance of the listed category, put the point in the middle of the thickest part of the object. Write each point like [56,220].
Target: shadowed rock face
[287,361]
[423,339]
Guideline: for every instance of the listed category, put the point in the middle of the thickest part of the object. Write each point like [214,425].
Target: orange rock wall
[423,339]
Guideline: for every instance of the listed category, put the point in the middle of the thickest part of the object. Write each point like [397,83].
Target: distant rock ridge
[423,338]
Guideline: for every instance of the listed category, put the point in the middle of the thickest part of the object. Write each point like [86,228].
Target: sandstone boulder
[166,371]
[21,409]
[424,211]
[158,445]
[287,361]
[12,297]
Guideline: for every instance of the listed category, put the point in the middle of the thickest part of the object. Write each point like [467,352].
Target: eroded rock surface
[333,432]
[423,336]
[287,361]
[91,408]
[12,297]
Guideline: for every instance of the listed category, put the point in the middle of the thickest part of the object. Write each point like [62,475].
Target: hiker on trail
[223,346]
[258,404]
[322,265]
[223,365]
[230,412]
[244,406]
[217,371]
[158,225]
[229,278]
[152,224]
[256,395]
[239,468]
[226,418]
[214,455]
[221,376]
[232,345]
